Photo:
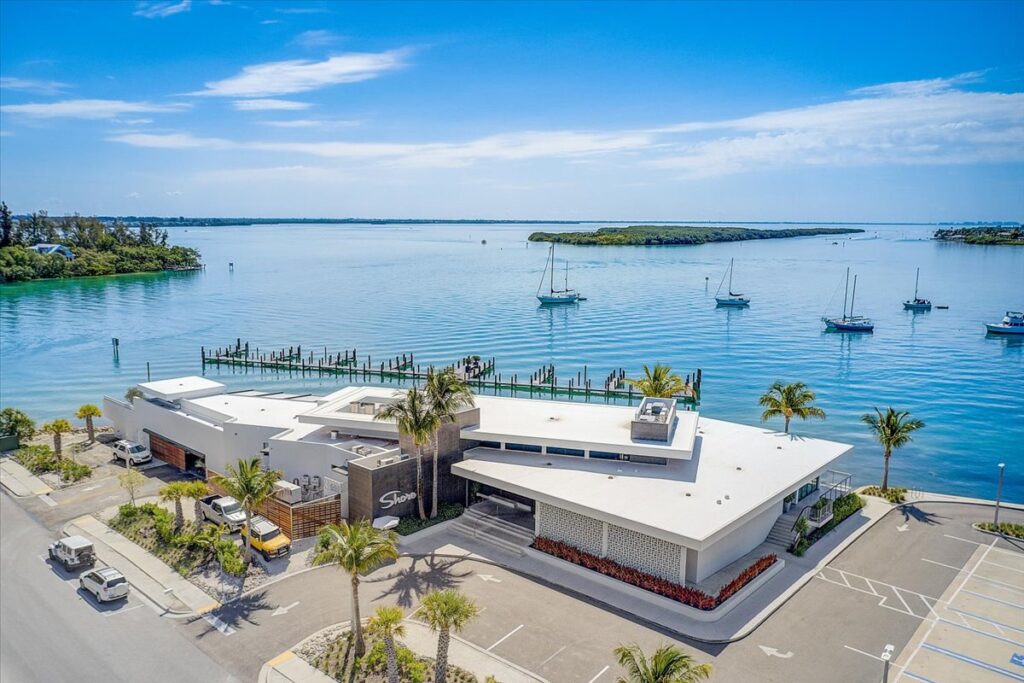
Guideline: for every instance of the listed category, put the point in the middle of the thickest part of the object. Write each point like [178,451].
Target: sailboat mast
[551,287]
[852,298]
[917,279]
[730,276]
[567,275]
[846,290]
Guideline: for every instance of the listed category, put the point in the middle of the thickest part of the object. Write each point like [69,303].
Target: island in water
[987,235]
[654,235]
[39,247]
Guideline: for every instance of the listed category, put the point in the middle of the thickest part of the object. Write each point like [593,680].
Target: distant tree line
[100,248]
[654,235]
[990,235]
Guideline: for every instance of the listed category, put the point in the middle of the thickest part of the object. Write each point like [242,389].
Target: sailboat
[552,295]
[733,299]
[849,322]
[917,304]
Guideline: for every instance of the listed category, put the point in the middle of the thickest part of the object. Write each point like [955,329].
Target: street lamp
[999,493]
[886,656]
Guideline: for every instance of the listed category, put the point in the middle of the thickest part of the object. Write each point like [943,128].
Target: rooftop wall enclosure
[145,417]
[386,490]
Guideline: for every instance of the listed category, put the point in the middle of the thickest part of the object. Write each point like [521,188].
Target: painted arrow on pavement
[284,610]
[772,652]
[903,527]
[489,578]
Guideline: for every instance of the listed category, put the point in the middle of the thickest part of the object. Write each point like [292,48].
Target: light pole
[999,493]
[886,656]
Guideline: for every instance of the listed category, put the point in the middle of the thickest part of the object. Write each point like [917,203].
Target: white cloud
[297,75]
[269,104]
[31,85]
[132,195]
[170,141]
[268,22]
[316,39]
[173,193]
[301,10]
[312,123]
[88,109]
[160,10]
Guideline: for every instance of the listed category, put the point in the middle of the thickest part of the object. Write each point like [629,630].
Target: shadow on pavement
[236,614]
[913,512]
[425,574]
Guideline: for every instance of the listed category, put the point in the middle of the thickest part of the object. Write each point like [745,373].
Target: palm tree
[132,394]
[668,664]
[57,428]
[446,611]
[789,401]
[892,430]
[250,485]
[196,491]
[416,419]
[446,394]
[173,493]
[87,413]
[357,548]
[660,382]
[387,623]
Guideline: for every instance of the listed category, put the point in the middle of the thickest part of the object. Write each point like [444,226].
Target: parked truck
[222,510]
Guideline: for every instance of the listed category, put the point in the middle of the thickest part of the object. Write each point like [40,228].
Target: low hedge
[842,507]
[1005,528]
[412,523]
[694,597]
[893,494]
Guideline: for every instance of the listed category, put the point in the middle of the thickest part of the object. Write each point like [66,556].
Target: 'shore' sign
[392,498]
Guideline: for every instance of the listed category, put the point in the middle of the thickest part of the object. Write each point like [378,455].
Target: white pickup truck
[222,510]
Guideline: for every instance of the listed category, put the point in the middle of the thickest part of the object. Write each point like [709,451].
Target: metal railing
[838,485]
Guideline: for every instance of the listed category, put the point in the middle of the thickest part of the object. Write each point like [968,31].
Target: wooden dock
[479,373]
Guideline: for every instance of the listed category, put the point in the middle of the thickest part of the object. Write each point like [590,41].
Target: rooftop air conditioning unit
[334,435]
[385,461]
[288,492]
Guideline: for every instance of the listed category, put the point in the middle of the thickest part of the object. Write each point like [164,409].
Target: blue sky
[661,111]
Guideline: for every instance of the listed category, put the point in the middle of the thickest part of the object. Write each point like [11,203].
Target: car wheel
[265,556]
[49,551]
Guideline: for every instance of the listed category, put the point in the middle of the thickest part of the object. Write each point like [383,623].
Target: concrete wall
[195,434]
[366,486]
[122,417]
[296,459]
[735,545]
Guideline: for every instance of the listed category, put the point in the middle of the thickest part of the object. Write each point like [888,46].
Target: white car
[105,584]
[124,449]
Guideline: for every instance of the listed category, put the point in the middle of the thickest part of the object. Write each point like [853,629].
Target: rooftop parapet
[654,420]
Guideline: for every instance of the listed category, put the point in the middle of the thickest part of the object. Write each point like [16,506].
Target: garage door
[170,453]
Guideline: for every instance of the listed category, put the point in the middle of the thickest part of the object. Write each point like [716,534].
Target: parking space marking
[918,678]
[505,637]
[114,613]
[984,633]
[1002,602]
[557,652]
[1003,566]
[972,661]
[884,602]
[218,624]
[987,620]
[986,579]
[599,674]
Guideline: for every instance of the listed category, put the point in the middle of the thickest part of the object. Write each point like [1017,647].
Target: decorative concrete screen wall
[646,553]
[578,531]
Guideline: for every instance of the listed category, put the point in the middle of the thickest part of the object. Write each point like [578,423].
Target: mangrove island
[654,235]
[989,235]
[38,247]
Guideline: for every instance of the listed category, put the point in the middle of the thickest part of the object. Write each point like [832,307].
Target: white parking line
[996,582]
[1003,566]
[505,637]
[218,624]
[1002,602]
[125,610]
[46,499]
[599,673]
[557,652]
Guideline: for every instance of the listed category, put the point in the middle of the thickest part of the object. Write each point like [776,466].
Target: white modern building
[666,491]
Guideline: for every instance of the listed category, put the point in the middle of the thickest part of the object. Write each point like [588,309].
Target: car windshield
[137,449]
[116,582]
[273,533]
[229,508]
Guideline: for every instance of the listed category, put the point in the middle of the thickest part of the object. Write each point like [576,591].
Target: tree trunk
[248,537]
[788,418]
[441,663]
[179,516]
[885,471]
[419,482]
[57,446]
[89,427]
[357,622]
[392,653]
[198,512]
[433,483]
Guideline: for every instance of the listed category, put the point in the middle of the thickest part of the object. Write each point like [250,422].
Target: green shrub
[893,494]
[842,507]
[14,421]
[36,459]
[1005,528]
[411,524]
[410,667]
[73,471]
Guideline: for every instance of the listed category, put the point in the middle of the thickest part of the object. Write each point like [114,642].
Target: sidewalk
[144,571]
[289,667]
[737,623]
[19,481]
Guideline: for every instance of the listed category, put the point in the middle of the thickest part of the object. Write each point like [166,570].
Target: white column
[604,539]
[536,518]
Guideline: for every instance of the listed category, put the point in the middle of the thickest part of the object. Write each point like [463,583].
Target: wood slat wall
[166,451]
[296,521]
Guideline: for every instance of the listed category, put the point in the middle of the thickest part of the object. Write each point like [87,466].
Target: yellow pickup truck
[267,538]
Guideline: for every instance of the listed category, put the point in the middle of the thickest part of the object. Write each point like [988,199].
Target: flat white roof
[182,387]
[252,410]
[735,470]
[588,426]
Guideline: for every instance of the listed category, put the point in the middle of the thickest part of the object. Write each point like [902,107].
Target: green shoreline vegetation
[654,235]
[991,235]
[99,248]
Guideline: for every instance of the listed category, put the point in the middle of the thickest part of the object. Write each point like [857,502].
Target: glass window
[273,533]
[490,444]
[556,450]
[529,447]
[604,455]
[648,460]
[116,582]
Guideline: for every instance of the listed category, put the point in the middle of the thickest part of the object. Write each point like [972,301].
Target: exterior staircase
[781,535]
[494,530]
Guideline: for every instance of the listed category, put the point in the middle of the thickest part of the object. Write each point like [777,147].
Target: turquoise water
[438,292]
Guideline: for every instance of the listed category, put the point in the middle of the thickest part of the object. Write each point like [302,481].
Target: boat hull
[729,301]
[1004,329]
[911,306]
[554,300]
[838,325]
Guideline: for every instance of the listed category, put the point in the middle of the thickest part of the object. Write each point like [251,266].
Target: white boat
[917,303]
[1013,323]
[849,322]
[552,295]
[733,299]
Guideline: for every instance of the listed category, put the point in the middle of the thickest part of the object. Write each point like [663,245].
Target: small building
[662,490]
[49,249]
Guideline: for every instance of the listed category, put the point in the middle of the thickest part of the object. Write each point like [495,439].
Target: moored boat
[917,303]
[733,299]
[552,295]
[849,322]
[1012,323]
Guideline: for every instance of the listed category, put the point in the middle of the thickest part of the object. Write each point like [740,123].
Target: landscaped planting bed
[412,523]
[334,658]
[892,494]
[41,459]
[1005,528]
[692,597]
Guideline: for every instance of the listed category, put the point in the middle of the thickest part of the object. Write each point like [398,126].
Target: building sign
[392,498]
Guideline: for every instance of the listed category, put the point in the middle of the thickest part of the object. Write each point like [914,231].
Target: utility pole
[999,493]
